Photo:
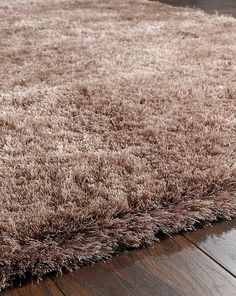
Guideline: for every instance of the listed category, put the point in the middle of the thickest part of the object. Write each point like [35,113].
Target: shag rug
[117,123]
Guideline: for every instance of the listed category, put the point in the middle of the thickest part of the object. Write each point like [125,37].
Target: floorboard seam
[58,287]
[211,257]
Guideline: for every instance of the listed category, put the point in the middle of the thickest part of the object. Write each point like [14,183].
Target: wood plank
[171,267]
[44,288]
[218,242]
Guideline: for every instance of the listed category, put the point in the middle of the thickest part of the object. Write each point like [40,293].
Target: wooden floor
[198,263]
[210,6]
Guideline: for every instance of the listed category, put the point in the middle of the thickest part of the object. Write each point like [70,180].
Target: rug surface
[117,123]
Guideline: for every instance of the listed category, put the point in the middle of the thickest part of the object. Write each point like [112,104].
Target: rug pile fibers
[117,123]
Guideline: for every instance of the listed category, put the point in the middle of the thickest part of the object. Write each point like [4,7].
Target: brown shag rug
[117,123]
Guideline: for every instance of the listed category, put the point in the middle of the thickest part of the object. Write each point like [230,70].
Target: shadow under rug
[117,124]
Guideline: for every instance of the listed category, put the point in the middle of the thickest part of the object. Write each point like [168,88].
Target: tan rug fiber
[117,123]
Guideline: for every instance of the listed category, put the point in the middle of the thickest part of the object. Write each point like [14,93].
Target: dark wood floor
[210,6]
[197,263]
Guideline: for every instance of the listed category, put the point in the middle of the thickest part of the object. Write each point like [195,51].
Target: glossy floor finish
[197,263]
[210,6]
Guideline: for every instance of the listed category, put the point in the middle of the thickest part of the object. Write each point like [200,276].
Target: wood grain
[218,242]
[45,288]
[172,267]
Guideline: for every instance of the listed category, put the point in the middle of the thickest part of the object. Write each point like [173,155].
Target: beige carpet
[117,123]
